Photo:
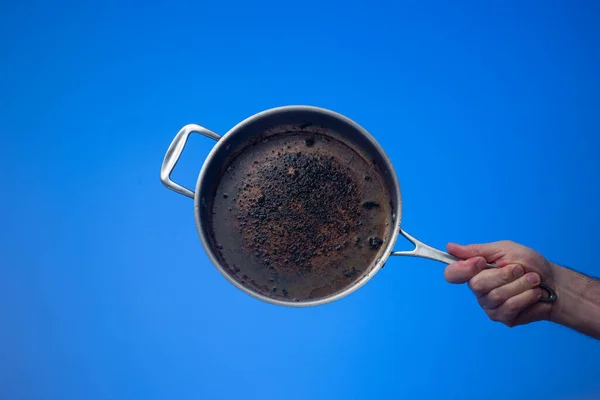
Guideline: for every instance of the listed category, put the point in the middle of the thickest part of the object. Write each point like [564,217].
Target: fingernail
[518,271]
[533,278]
[538,293]
[480,263]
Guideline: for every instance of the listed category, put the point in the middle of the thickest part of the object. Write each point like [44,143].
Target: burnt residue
[304,210]
[295,213]
[350,272]
[375,242]
[370,204]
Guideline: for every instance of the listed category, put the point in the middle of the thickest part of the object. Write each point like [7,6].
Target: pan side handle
[174,152]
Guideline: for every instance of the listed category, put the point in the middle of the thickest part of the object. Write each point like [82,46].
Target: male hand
[509,294]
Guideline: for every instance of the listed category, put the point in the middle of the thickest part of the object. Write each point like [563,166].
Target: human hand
[508,294]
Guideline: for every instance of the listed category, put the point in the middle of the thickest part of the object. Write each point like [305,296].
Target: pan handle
[174,152]
[425,251]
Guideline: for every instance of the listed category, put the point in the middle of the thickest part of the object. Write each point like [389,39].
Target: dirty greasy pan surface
[299,215]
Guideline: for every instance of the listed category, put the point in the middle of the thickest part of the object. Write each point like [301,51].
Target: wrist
[578,303]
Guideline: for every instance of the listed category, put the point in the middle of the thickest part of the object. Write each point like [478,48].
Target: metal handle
[425,251]
[174,152]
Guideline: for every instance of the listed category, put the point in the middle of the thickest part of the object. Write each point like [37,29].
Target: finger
[496,297]
[537,312]
[490,251]
[464,270]
[508,312]
[493,278]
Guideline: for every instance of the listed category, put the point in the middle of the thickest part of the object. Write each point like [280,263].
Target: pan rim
[220,146]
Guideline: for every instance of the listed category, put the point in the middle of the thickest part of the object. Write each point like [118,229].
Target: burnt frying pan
[298,206]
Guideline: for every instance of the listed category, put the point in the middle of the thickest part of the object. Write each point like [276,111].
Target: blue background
[488,110]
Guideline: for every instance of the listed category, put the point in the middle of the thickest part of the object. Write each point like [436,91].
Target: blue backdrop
[488,110]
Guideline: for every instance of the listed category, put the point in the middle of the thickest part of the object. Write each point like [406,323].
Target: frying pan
[298,206]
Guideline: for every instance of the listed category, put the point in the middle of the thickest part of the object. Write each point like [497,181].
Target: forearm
[578,305]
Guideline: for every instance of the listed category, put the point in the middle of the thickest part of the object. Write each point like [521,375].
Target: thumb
[490,251]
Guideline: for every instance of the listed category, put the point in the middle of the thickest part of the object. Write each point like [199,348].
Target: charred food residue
[305,209]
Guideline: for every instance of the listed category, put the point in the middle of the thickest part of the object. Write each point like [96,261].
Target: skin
[510,294]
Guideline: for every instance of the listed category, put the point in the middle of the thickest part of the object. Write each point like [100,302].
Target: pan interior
[298,214]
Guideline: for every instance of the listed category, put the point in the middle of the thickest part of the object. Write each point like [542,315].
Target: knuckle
[475,248]
[491,314]
[498,316]
[524,283]
[507,275]
[512,306]
[495,297]
[494,315]
[477,285]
